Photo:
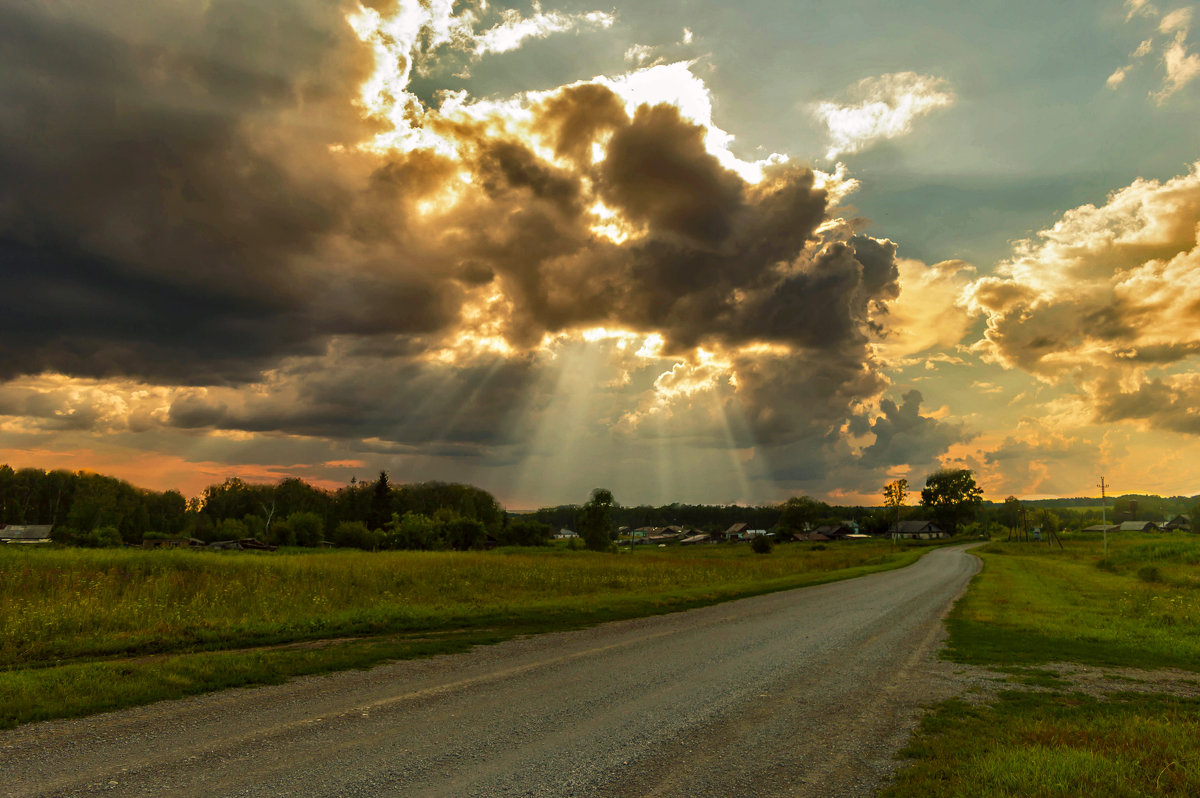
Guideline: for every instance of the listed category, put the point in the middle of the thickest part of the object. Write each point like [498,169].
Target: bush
[101,537]
[761,544]
[1149,573]
[231,529]
[353,534]
[307,528]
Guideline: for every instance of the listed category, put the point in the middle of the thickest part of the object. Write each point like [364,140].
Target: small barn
[1179,522]
[25,533]
[1139,526]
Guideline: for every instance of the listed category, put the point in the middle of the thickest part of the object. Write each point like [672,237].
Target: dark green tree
[380,511]
[1012,514]
[952,495]
[595,520]
[800,512]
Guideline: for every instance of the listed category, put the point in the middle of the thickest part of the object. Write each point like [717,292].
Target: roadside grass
[1030,605]
[84,630]
[1058,744]
[1139,607]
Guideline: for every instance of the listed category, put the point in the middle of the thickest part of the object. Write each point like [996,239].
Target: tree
[894,495]
[595,521]
[799,512]
[380,510]
[1012,514]
[952,495]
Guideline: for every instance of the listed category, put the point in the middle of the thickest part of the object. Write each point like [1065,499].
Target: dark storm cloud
[903,435]
[395,401]
[658,171]
[1166,404]
[161,201]
[580,115]
[181,202]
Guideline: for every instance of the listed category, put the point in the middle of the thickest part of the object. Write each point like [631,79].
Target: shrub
[353,534]
[761,544]
[101,537]
[1149,573]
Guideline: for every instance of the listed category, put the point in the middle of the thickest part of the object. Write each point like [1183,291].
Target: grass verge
[85,631]
[1057,744]
[1139,607]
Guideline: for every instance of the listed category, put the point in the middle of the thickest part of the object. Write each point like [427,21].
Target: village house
[1139,526]
[833,532]
[917,530]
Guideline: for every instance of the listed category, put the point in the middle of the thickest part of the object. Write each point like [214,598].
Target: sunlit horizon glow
[545,249]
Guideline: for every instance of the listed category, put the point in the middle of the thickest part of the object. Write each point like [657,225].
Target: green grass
[1138,607]
[90,630]
[1060,744]
[1035,604]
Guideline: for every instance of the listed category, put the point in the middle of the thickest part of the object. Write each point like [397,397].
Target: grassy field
[1032,605]
[86,630]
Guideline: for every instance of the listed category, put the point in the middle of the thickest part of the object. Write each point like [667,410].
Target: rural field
[88,630]
[1102,664]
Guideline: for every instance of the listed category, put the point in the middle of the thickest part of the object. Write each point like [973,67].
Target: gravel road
[805,692]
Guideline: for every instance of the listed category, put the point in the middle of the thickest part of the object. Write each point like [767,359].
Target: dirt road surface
[805,692]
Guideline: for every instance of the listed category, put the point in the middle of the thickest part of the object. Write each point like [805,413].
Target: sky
[689,251]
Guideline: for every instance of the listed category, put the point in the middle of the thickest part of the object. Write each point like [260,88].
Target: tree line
[92,509]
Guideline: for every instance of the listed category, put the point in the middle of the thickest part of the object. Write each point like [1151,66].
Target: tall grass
[70,603]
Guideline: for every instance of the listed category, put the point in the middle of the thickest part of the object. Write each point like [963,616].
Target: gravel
[804,692]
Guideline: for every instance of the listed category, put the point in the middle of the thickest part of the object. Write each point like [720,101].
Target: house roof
[1102,528]
[736,529]
[1138,526]
[26,531]
[829,529]
[815,536]
[909,527]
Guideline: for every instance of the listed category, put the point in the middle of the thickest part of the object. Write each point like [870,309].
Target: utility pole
[1103,516]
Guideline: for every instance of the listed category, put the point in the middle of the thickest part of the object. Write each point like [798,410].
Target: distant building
[1179,522]
[1139,526]
[564,534]
[814,537]
[735,532]
[839,532]
[1102,528]
[917,530]
[25,533]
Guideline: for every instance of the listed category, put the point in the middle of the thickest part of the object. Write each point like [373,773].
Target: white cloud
[1114,289]
[1170,39]
[514,30]
[1181,66]
[687,36]
[639,54]
[881,108]
[1139,8]
[1177,20]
